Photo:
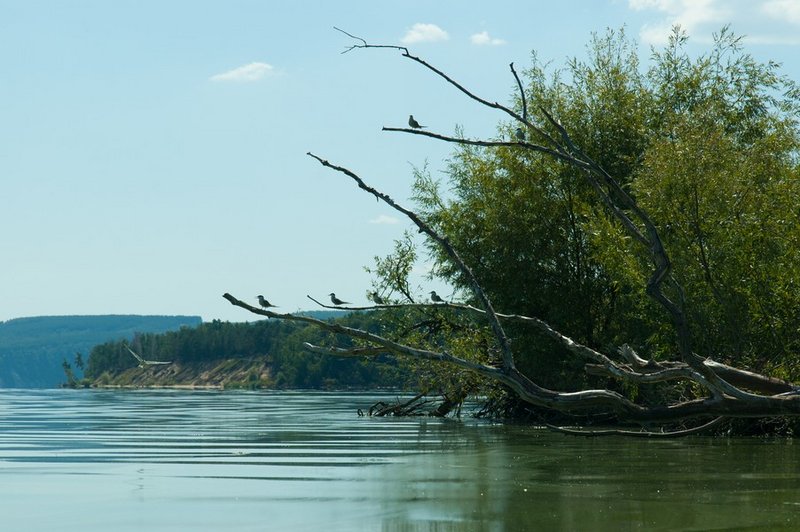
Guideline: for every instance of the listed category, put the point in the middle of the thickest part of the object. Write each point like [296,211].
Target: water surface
[304,461]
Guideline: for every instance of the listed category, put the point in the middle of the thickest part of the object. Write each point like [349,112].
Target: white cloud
[245,73]
[640,5]
[483,39]
[784,10]
[758,21]
[384,220]
[688,14]
[421,32]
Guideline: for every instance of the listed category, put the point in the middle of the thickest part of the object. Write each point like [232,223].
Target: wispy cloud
[384,219]
[421,32]
[688,14]
[786,10]
[762,21]
[483,39]
[246,73]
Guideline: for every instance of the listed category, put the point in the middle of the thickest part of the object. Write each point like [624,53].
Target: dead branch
[530,392]
[343,352]
[639,433]
[521,93]
[485,143]
[494,105]
[477,289]
[354,308]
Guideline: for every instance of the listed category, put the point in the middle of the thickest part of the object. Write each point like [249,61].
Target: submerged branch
[639,433]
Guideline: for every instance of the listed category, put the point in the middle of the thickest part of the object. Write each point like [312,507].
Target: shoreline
[157,387]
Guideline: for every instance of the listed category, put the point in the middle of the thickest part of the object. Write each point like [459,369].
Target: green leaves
[709,147]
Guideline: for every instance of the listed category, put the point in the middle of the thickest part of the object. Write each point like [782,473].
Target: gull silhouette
[264,303]
[336,301]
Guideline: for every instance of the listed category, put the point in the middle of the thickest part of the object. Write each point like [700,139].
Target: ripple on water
[208,460]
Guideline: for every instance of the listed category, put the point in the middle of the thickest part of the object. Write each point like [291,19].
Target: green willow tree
[629,225]
[708,146]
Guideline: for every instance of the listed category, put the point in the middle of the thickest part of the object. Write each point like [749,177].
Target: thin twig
[521,93]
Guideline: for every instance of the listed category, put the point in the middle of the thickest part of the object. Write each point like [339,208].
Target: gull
[413,123]
[377,299]
[264,303]
[520,134]
[143,362]
[435,297]
[336,301]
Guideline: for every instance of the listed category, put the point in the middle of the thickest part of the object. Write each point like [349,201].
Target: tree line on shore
[275,341]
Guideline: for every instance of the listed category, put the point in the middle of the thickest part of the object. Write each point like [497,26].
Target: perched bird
[377,299]
[435,297]
[413,123]
[336,301]
[264,303]
[520,134]
[143,362]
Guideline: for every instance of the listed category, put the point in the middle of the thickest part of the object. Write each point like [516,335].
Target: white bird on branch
[413,123]
[336,301]
[264,303]
[435,297]
[143,362]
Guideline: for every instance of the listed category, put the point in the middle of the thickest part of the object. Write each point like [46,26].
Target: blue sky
[152,153]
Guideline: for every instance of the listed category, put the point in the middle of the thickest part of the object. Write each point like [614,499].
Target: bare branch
[521,93]
[494,105]
[342,352]
[394,347]
[347,307]
[639,434]
[477,290]
[584,400]
[365,45]
[675,373]
[489,143]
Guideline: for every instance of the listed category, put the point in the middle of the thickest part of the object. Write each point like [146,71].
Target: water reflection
[178,460]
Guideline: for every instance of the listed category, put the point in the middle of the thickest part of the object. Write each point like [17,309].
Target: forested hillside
[274,350]
[33,349]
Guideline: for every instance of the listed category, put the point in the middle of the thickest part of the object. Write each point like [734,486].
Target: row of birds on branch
[412,122]
[519,133]
[435,298]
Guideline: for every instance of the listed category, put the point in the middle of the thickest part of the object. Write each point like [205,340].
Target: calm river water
[199,460]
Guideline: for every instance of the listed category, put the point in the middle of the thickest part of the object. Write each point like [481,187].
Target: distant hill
[32,349]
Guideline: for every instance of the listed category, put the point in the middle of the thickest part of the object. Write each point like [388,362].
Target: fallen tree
[712,390]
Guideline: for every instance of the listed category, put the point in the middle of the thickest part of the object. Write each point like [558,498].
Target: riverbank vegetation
[626,245]
[220,354]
